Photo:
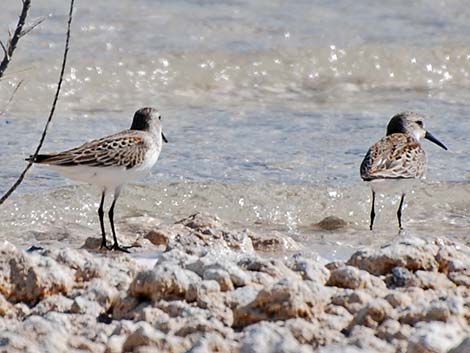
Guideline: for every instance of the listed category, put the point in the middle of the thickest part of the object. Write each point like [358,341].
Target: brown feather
[396,156]
[127,150]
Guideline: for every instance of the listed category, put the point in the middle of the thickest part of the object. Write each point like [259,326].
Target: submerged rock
[332,223]
[157,237]
[201,222]
[273,242]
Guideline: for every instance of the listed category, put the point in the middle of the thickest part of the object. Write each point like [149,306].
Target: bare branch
[5,108]
[32,26]
[13,39]
[51,114]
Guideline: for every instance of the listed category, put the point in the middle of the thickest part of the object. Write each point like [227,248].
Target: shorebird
[393,164]
[112,161]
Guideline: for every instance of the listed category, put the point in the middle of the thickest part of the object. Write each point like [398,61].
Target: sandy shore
[212,290]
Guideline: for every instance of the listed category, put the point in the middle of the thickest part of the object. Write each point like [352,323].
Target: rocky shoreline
[211,291]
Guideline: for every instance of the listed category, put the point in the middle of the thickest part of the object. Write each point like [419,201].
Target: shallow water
[269,108]
[68,214]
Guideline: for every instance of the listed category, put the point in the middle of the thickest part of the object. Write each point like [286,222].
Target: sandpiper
[112,161]
[392,164]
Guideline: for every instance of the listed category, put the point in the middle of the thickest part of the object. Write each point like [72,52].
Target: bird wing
[397,156]
[120,150]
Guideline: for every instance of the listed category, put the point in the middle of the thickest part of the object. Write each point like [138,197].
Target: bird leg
[101,214]
[372,211]
[399,210]
[111,220]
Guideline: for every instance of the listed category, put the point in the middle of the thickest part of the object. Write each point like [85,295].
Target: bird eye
[420,123]
[160,117]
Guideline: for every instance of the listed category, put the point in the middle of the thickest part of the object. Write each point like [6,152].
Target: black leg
[372,211]
[101,214]
[111,220]
[399,211]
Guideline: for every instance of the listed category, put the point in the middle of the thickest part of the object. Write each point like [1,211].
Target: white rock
[435,337]
[270,338]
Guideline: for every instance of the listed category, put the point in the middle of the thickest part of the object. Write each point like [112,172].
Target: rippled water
[274,103]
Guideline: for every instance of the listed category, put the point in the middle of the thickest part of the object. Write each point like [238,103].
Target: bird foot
[116,247]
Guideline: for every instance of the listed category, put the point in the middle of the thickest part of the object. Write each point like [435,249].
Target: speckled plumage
[112,161]
[398,158]
[125,149]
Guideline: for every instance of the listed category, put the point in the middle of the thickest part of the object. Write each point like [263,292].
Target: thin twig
[13,40]
[14,72]
[32,26]
[51,114]
[5,52]
[5,108]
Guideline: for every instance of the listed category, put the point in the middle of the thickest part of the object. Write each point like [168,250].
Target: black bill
[431,138]
[166,141]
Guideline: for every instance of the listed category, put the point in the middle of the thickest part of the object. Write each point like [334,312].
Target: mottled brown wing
[397,156]
[116,150]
